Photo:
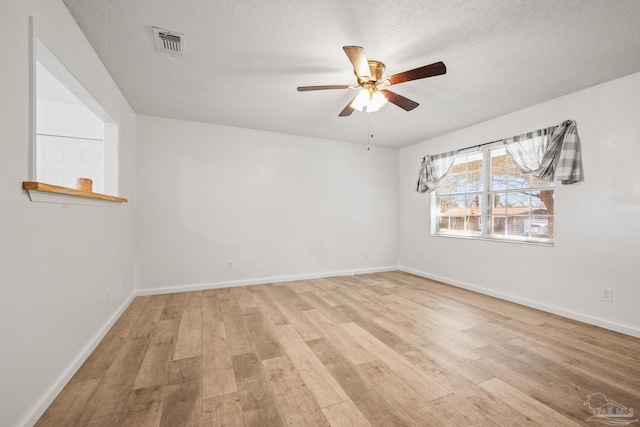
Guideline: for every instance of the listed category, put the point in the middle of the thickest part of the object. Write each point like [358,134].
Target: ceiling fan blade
[402,102]
[435,69]
[347,110]
[307,88]
[359,60]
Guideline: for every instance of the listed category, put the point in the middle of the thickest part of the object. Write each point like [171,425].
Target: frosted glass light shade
[369,101]
[361,101]
[377,101]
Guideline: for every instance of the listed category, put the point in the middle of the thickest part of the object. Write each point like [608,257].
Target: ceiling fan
[369,73]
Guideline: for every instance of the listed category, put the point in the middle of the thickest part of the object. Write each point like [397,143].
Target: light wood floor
[382,349]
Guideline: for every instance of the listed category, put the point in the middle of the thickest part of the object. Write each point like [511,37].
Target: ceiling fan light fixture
[361,100]
[369,100]
[378,100]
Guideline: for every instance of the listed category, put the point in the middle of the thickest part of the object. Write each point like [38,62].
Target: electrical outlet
[365,256]
[607,295]
[229,265]
[107,296]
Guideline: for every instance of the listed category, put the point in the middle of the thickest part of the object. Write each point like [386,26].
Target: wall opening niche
[74,136]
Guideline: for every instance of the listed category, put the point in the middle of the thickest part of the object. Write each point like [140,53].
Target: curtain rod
[475,146]
[481,145]
[545,131]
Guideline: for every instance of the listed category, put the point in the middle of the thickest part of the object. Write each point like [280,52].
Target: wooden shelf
[41,192]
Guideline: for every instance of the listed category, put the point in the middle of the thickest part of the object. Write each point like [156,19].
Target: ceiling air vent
[169,42]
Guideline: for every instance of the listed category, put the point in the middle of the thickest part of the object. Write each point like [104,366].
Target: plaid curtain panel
[569,167]
[554,152]
[433,170]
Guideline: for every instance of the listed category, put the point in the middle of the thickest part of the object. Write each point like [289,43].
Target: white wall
[279,206]
[597,221]
[56,261]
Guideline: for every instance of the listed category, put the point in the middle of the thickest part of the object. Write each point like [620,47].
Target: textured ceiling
[244,59]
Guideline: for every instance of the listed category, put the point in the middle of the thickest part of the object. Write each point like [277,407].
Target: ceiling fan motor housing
[377,70]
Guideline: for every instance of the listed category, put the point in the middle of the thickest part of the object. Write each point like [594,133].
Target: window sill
[47,193]
[496,239]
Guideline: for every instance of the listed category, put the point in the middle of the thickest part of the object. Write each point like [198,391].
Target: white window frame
[485,195]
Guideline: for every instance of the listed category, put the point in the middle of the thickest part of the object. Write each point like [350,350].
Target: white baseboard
[261,281]
[36,411]
[581,317]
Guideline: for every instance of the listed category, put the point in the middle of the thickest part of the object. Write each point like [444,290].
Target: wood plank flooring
[386,349]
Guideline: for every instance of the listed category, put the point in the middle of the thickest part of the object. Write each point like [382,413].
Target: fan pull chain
[369,136]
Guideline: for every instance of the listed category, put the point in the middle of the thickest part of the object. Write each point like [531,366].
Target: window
[459,197]
[486,196]
[74,136]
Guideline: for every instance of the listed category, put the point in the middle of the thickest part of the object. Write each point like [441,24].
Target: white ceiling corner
[245,58]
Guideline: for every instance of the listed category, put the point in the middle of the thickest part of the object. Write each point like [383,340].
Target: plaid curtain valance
[434,169]
[550,153]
